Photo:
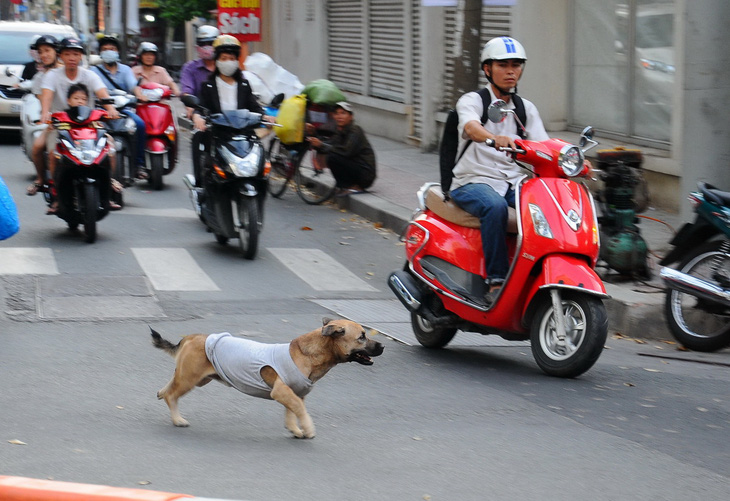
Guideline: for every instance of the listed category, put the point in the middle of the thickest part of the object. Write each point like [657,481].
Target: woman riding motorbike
[148,71]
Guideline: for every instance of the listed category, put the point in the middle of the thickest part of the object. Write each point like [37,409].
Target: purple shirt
[192,76]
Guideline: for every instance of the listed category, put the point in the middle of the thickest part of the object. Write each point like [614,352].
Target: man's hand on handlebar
[501,142]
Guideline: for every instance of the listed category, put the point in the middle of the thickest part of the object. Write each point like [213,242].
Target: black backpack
[448,150]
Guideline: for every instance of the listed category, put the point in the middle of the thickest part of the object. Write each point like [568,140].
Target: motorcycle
[697,304]
[235,176]
[83,177]
[123,130]
[552,295]
[30,119]
[161,147]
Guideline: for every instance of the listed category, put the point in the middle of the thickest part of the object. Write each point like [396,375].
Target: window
[623,67]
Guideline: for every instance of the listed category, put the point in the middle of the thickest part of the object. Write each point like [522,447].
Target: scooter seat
[449,211]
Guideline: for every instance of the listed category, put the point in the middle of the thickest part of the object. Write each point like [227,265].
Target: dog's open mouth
[360,357]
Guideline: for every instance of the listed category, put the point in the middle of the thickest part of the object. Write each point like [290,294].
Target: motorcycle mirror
[496,112]
[8,73]
[190,101]
[586,136]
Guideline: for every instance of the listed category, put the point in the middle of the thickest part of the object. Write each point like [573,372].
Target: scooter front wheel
[91,199]
[586,329]
[430,335]
[248,226]
[157,170]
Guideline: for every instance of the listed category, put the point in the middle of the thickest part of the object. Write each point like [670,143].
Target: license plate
[15,108]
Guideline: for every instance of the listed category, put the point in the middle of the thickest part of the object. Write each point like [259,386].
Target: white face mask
[109,56]
[227,68]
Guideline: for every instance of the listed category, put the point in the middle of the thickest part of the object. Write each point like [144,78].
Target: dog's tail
[163,344]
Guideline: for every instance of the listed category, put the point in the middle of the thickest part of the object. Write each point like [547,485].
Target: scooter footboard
[564,271]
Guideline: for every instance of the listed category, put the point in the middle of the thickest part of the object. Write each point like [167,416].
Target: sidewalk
[635,308]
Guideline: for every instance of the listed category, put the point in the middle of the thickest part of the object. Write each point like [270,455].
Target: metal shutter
[496,21]
[346,44]
[390,35]
[417,88]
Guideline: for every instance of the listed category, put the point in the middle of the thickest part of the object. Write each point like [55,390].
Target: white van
[15,40]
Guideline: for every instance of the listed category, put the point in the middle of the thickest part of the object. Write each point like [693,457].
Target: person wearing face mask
[226,89]
[192,76]
[116,75]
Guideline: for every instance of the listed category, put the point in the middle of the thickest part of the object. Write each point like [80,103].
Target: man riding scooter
[116,75]
[485,178]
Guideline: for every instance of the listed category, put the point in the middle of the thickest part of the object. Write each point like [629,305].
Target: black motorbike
[124,132]
[697,304]
[230,201]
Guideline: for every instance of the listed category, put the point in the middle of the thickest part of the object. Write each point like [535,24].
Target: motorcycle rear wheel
[699,324]
[282,168]
[248,226]
[157,169]
[91,201]
[586,326]
[429,335]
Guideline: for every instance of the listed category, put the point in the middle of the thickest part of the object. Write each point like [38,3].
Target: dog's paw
[180,422]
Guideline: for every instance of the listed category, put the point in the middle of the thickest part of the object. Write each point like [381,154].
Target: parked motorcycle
[124,132]
[551,296]
[161,123]
[235,174]
[697,303]
[83,178]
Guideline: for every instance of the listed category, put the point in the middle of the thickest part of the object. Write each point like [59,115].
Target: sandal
[52,210]
[34,188]
[141,174]
[114,206]
[117,186]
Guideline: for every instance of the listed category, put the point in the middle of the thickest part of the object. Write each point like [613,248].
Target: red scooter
[551,296]
[82,173]
[161,147]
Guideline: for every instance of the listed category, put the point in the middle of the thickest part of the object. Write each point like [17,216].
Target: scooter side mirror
[190,101]
[585,136]
[496,111]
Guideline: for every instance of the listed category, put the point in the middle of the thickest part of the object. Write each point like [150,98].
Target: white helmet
[501,48]
[206,33]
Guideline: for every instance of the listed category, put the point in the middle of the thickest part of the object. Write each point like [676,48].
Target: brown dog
[282,372]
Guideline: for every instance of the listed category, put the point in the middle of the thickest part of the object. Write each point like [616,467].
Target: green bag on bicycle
[323,92]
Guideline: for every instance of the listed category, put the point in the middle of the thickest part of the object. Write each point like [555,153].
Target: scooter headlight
[247,166]
[539,222]
[130,126]
[85,150]
[571,160]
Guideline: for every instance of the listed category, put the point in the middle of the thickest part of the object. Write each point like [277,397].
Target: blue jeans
[490,207]
[141,135]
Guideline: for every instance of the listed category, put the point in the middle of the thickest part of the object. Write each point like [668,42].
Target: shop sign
[240,18]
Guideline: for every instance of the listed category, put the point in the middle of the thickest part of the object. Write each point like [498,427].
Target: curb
[31,489]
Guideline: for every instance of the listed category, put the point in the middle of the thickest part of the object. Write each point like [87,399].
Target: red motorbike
[552,295]
[161,147]
[83,169]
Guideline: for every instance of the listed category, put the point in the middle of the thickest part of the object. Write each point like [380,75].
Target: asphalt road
[78,374]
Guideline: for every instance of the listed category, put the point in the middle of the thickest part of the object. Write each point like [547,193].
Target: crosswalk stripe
[172,269]
[319,270]
[27,261]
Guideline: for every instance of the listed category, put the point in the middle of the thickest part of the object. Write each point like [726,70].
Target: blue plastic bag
[9,222]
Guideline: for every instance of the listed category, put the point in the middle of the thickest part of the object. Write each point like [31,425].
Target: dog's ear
[333,330]
[326,320]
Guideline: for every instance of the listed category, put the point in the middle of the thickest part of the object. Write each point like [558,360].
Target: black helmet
[33,40]
[70,43]
[49,40]
[109,39]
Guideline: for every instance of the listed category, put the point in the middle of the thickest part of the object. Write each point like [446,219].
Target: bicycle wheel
[282,168]
[315,182]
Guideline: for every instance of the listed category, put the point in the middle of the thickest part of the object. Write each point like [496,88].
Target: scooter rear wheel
[699,324]
[586,329]
[429,335]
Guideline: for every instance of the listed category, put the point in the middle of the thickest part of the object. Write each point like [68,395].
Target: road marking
[172,269]
[320,271]
[27,261]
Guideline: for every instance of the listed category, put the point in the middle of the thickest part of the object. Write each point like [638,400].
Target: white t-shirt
[227,94]
[484,164]
[57,81]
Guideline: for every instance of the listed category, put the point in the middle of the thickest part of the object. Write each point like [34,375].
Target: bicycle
[313,181]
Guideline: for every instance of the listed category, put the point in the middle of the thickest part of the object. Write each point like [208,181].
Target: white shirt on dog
[239,362]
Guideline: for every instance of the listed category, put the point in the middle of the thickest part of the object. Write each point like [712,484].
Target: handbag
[9,222]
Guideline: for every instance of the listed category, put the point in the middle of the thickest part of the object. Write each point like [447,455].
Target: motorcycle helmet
[228,44]
[206,35]
[501,48]
[33,45]
[49,40]
[109,40]
[70,43]
[146,47]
